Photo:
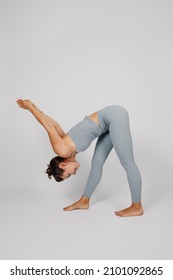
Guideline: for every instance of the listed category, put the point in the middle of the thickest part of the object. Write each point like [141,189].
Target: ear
[62,164]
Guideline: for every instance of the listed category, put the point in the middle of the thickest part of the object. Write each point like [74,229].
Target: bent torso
[71,149]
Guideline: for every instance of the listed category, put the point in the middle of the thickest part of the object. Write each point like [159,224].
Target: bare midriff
[94,118]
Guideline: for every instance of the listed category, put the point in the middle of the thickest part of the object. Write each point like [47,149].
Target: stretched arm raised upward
[53,129]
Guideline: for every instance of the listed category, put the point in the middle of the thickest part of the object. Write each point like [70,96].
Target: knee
[127,162]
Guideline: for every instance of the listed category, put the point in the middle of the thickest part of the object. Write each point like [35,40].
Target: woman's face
[69,167]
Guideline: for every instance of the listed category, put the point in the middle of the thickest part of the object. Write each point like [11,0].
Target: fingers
[19,102]
[22,101]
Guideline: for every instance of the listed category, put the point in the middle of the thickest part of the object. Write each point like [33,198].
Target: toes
[69,208]
[119,214]
[66,208]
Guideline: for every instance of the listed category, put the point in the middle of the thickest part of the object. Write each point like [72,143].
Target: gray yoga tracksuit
[114,132]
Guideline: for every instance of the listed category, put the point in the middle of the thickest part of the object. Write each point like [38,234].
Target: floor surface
[34,226]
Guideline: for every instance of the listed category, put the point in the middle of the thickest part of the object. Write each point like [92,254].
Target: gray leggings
[119,137]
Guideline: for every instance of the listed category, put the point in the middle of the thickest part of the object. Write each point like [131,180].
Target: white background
[90,269]
[72,58]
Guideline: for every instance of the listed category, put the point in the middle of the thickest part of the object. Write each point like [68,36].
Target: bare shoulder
[70,146]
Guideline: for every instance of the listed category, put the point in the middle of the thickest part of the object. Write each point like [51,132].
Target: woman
[111,126]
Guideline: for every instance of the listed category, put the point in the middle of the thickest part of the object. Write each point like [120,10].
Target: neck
[72,158]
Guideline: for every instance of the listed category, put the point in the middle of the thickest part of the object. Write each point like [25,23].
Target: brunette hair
[54,169]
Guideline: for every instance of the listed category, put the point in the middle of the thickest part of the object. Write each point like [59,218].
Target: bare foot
[134,210]
[83,204]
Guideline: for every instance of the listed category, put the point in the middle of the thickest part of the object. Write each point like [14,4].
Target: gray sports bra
[83,133]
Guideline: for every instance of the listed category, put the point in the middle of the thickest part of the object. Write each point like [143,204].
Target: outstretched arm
[53,129]
[53,122]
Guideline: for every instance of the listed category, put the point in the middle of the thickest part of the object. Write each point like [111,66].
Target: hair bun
[49,171]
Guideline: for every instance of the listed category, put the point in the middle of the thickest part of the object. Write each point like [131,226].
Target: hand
[24,103]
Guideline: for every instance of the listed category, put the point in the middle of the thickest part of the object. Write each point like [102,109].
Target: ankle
[85,199]
[137,205]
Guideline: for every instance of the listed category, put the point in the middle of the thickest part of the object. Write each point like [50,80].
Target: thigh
[102,149]
[120,136]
